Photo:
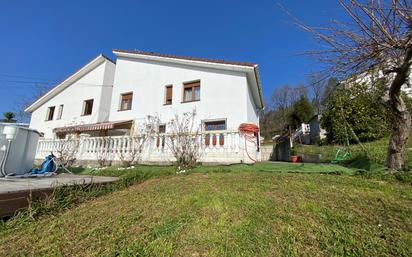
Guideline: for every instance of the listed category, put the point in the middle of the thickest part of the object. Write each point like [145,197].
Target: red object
[249,131]
[221,140]
[214,140]
[207,140]
[295,158]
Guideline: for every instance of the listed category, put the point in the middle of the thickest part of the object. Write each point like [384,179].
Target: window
[191,91]
[162,128]
[215,125]
[161,139]
[215,137]
[126,101]
[60,112]
[87,107]
[50,113]
[169,94]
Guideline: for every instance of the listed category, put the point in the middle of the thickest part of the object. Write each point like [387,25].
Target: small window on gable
[87,107]
[126,101]
[162,128]
[169,94]
[50,113]
[60,112]
[191,91]
[215,125]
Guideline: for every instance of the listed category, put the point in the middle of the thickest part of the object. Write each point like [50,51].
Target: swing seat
[341,154]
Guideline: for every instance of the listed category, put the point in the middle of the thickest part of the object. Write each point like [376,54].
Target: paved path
[11,185]
[15,193]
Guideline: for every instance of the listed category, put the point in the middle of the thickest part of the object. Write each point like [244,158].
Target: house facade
[112,99]
[82,98]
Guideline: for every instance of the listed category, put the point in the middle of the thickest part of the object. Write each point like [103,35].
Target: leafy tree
[355,111]
[9,117]
[302,112]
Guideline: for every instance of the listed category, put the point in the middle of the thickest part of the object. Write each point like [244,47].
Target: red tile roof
[186,58]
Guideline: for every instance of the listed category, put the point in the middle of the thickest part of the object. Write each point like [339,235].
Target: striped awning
[92,127]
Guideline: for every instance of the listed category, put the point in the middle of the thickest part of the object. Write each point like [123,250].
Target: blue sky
[44,41]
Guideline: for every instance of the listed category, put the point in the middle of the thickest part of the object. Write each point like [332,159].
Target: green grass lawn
[228,211]
[369,156]
[257,167]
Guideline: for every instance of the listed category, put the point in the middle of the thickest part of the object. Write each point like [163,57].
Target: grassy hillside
[368,156]
[257,167]
[229,214]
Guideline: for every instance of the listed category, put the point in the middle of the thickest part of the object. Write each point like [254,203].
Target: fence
[214,147]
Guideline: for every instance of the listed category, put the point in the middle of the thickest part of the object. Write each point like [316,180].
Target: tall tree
[9,117]
[379,38]
[301,112]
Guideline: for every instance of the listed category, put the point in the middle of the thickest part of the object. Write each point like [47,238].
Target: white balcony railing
[215,147]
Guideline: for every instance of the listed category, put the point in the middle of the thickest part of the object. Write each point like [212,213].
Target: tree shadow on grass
[363,164]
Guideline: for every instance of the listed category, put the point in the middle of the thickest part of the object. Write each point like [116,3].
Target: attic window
[87,107]
[50,113]
[126,101]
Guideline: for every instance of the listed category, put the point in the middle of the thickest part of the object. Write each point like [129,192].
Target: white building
[109,99]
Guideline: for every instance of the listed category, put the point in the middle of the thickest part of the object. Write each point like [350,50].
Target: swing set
[343,153]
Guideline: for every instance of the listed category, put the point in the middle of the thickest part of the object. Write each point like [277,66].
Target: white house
[109,99]
[82,98]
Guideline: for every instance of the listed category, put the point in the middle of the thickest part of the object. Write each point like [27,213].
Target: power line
[26,77]
[32,86]
[25,82]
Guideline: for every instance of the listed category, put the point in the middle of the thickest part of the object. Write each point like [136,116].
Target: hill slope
[230,214]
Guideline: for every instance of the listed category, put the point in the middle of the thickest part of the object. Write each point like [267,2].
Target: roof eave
[251,69]
[259,86]
[226,66]
[68,81]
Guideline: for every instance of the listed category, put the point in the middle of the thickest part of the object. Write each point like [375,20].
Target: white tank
[23,144]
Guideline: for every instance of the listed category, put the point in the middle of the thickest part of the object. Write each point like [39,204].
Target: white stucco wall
[223,94]
[252,111]
[97,85]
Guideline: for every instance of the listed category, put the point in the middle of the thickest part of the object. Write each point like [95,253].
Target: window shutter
[192,84]
[128,96]
[169,91]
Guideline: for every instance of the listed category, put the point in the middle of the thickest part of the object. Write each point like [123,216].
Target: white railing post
[214,145]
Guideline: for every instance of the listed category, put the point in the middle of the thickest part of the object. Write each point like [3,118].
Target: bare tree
[132,148]
[185,141]
[379,38]
[282,100]
[66,150]
[317,85]
[23,102]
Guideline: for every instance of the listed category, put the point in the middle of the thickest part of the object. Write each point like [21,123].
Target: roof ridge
[189,58]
